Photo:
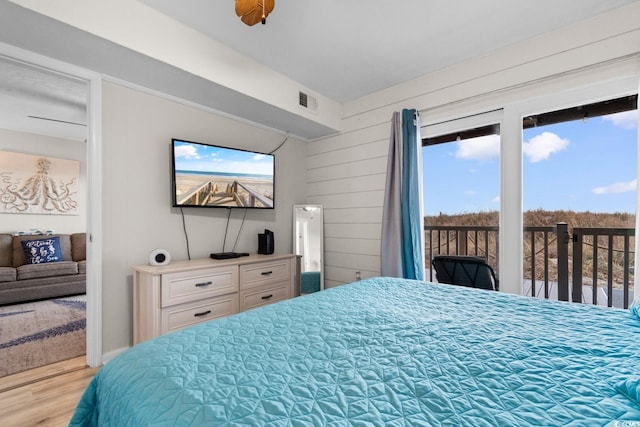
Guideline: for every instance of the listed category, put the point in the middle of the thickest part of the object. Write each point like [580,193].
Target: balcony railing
[589,265]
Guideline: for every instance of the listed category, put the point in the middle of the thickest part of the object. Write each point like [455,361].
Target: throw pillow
[42,250]
[635,306]
[631,387]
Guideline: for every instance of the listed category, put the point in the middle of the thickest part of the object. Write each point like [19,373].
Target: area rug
[39,333]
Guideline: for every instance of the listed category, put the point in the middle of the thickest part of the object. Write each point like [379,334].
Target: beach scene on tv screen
[207,175]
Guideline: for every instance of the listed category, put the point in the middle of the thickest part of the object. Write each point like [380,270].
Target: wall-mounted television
[213,176]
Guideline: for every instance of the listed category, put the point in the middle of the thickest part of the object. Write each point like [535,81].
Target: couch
[30,271]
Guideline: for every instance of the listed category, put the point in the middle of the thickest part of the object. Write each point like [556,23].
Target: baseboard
[107,357]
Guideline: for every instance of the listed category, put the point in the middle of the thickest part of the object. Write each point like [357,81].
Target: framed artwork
[38,184]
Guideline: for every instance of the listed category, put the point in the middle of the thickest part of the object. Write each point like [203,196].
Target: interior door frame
[94,186]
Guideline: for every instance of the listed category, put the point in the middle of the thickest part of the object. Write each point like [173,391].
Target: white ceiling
[345,49]
[342,49]
[37,101]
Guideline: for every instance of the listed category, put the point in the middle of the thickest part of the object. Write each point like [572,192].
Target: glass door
[461,188]
[579,168]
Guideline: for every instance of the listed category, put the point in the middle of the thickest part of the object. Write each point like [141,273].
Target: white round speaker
[159,257]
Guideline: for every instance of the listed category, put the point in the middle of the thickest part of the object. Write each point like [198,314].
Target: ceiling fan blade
[252,11]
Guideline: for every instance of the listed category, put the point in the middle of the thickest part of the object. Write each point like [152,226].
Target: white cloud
[258,156]
[625,119]
[470,192]
[481,148]
[618,187]
[542,146]
[187,151]
[496,199]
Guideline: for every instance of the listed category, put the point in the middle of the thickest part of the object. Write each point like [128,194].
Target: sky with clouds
[189,156]
[579,166]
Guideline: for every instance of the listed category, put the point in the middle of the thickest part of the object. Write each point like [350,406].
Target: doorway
[91,159]
[461,187]
[580,169]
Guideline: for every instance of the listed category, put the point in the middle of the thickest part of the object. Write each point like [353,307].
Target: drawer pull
[266,273]
[200,285]
[204,313]
[267,296]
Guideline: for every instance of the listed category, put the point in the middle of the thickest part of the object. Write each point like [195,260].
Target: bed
[382,351]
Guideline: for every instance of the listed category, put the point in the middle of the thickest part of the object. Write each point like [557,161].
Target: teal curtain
[413,263]
[402,252]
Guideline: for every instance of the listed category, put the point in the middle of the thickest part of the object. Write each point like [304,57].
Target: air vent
[304,100]
[308,101]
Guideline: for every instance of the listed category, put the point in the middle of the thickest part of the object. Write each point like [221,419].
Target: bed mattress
[381,351]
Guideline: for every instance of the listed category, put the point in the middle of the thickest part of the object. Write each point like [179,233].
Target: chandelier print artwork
[38,185]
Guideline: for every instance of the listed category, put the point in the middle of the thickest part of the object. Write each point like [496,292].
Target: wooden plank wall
[346,172]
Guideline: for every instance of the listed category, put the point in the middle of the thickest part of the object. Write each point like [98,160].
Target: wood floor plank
[37,374]
[49,401]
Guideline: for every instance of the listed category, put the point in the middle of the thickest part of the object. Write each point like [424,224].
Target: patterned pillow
[631,387]
[42,250]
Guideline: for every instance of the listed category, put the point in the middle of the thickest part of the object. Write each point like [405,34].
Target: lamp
[253,11]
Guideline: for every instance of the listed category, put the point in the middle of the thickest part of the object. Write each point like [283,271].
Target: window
[580,168]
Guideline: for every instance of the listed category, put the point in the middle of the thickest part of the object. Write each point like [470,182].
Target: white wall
[137,212]
[346,171]
[39,145]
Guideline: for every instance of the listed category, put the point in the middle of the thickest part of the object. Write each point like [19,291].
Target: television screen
[212,176]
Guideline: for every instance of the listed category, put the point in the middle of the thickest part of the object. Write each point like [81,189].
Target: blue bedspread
[381,352]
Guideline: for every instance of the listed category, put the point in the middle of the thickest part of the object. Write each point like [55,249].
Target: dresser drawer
[257,297]
[183,315]
[186,286]
[264,273]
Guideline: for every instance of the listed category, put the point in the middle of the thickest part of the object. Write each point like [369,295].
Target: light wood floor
[44,396]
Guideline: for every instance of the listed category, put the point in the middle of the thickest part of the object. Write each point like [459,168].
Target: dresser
[171,297]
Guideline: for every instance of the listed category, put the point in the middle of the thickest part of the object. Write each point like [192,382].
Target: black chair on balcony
[465,270]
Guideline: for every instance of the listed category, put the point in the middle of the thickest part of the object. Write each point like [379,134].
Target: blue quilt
[380,352]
